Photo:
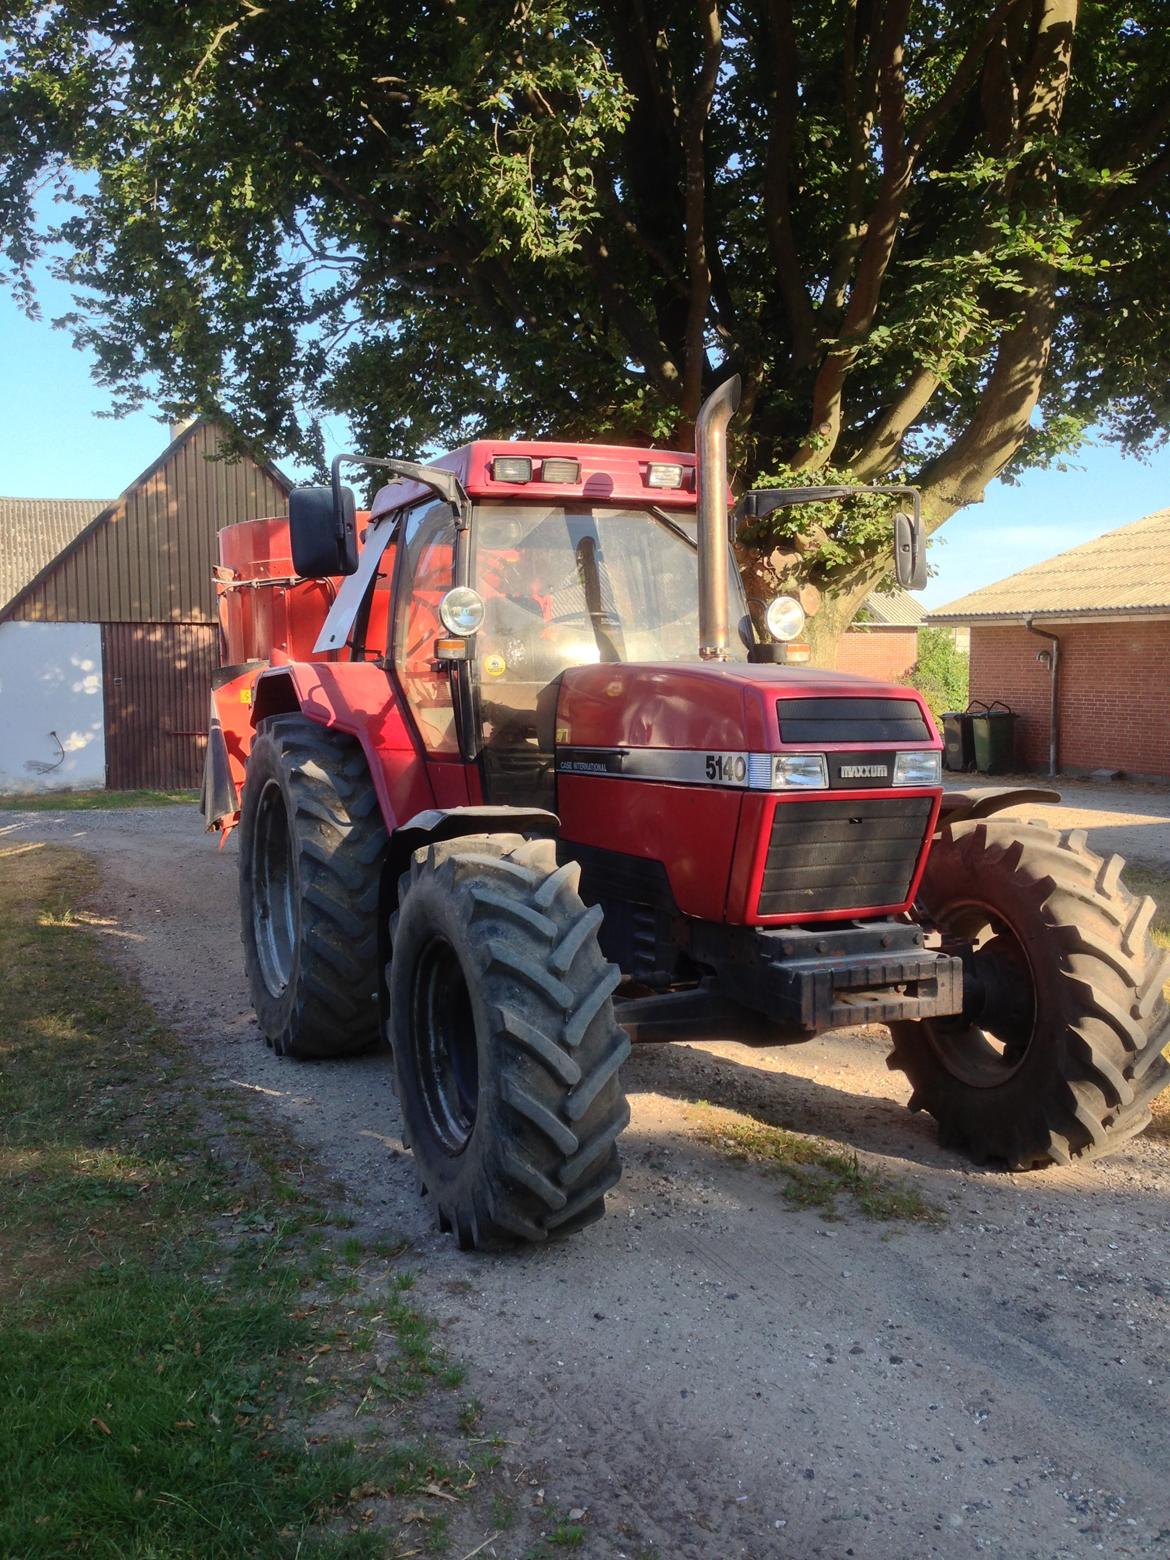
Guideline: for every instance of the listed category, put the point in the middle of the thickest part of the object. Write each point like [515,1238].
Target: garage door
[157,684]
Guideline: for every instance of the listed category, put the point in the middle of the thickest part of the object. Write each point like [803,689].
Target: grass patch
[1154,881]
[174,1377]
[80,801]
[816,1174]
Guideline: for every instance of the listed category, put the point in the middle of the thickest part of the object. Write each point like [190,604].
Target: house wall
[51,681]
[885,654]
[1115,692]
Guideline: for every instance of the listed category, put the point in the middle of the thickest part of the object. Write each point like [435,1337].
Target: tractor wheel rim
[446,1050]
[990,1041]
[274,891]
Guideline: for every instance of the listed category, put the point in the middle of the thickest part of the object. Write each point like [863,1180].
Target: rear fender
[958,806]
[358,697]
[352,696]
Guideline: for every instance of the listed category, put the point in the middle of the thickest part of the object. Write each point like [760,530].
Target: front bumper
[826,977]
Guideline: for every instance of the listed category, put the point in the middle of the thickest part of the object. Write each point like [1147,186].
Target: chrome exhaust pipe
[714,540]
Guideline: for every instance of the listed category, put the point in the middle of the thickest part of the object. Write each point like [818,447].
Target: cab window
[427,551]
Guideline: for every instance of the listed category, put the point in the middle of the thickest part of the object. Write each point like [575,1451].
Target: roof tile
[1122,572]
[33,531]
[890,609]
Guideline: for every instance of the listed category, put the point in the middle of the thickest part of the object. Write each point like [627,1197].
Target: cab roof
[610,473]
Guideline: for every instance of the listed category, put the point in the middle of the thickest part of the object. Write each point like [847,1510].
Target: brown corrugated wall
[157,687]
[150,560]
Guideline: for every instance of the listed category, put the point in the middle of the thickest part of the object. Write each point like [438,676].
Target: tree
[941,672]
[932,236]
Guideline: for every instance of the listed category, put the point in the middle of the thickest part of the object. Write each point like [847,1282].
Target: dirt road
[709,1373]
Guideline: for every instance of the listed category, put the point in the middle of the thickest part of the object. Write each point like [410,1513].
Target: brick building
[882,641]
[1079,647]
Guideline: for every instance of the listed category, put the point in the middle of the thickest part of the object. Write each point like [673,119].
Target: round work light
[461,610]
[784,617]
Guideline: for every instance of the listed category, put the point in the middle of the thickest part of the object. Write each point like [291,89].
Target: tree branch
[877,454]
[641,337]
[859,110]
[1111,198]
[1000,423]
[777,209]
[997,429]
[698,264]
[877,247]
[966,73]
[361,201]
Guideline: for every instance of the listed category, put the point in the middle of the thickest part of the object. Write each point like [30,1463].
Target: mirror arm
[784,497]
[444,483]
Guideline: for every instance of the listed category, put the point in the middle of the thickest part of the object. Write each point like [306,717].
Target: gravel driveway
[708,1372]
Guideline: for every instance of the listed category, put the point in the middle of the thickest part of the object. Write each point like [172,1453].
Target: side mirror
[909,551]
[323,535]
[909,542]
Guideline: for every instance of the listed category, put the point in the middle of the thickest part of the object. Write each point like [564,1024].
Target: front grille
[851,720]
[842,855]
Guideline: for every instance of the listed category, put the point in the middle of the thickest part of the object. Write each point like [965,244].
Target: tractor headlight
[918,769]
[784,617]
[461,610]
[800,772]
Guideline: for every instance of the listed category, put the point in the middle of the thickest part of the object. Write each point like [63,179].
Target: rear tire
[311,846]
[1059,1052]
[506,1049]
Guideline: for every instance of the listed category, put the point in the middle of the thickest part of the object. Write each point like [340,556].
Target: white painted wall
[51,681]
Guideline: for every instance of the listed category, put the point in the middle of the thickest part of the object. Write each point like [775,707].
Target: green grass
[1155,882]
[164,1348]
[816,1174]
[79,801]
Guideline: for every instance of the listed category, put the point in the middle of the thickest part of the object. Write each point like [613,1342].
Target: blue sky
[53,444]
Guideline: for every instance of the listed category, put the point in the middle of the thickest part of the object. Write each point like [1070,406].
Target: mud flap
[218,797]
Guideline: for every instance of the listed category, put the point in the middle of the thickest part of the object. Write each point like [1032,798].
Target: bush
[941,671]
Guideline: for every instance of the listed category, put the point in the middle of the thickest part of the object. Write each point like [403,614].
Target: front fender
[957,806]
[448,823]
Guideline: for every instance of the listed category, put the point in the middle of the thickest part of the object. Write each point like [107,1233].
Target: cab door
[426,572]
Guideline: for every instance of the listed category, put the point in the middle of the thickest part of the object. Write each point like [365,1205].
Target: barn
[108,631]
[882,641]
[1079,647]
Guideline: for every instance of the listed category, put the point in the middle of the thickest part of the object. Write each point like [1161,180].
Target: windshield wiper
[664,519]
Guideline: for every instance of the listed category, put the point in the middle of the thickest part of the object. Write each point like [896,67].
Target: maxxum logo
[864,772]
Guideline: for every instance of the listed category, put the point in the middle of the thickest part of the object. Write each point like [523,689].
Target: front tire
[506,1049]
[1059,1050]
[311,846]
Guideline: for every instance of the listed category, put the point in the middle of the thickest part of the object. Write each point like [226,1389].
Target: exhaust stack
[711,491]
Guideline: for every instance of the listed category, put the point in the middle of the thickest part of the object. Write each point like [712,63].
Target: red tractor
[519,780]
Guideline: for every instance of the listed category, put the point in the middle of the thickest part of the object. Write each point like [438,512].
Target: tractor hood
[734,706]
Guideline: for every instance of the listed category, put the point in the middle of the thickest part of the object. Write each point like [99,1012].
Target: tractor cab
[509,565]
[550,586]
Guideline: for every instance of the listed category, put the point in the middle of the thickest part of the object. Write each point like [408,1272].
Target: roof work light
[511,468]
